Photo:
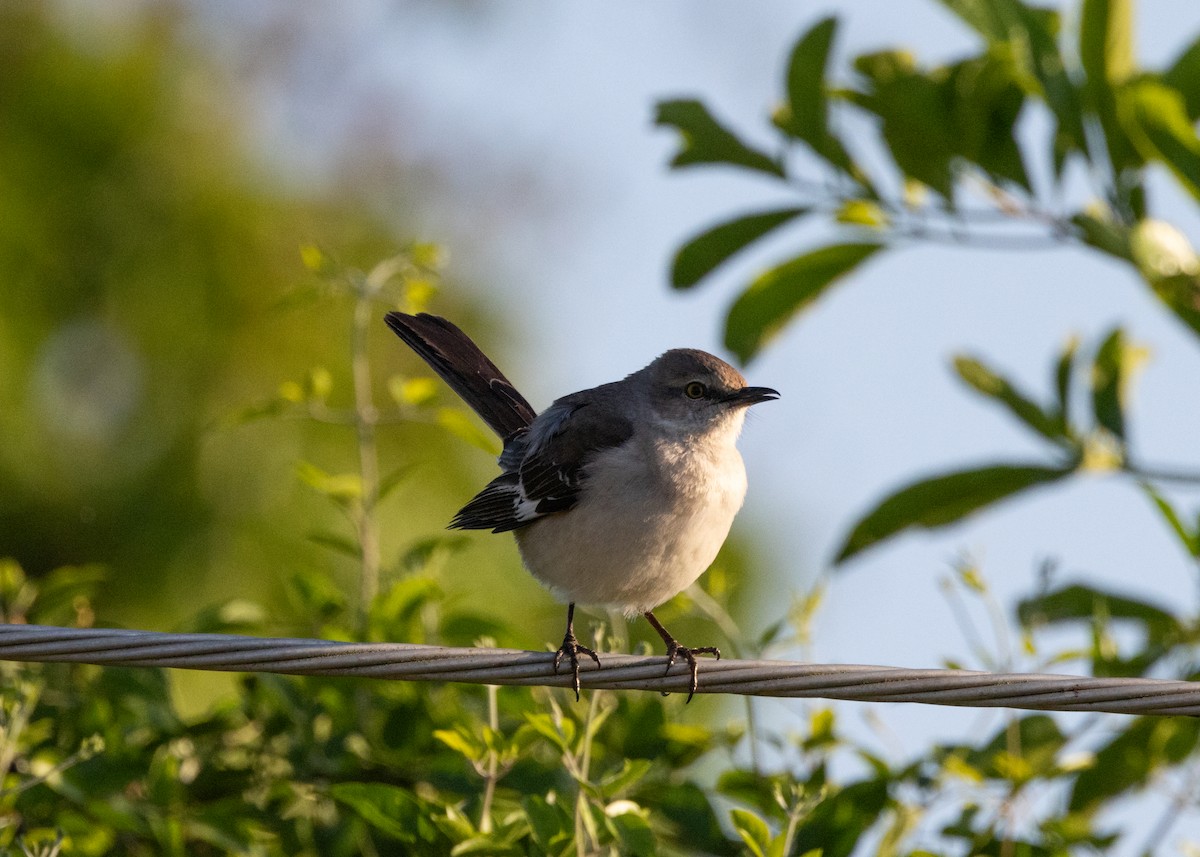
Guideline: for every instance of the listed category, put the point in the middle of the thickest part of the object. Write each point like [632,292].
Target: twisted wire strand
[409,662]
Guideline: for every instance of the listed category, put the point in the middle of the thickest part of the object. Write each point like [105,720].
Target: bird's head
[697,391]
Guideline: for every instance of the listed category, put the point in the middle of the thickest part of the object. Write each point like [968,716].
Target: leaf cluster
[956,168]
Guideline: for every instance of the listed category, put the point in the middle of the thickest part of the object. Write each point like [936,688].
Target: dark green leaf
[706,141]
[944,500]
[806,115]
[633,833]
[1184,76]
[777,295]
[1132,759]
[1106,53]
[1076,603]
[710,248]
[1108,373]
[1036,740]
[389,809]
[999,388]
[1028,35]
[1156,119]
[836,824]
[1104,234]
[1190,541]
[917,124]
[985,99]
[547,822]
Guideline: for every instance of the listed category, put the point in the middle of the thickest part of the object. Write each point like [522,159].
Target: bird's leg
[571,649]
[674,650]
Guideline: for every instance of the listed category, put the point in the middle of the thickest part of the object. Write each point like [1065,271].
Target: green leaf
[806,114]
[1028,36]
[837,823]
[1106,53]
[1105,234]
[997,387]
[917,123]
[547,822]
[389,809]
[1189,540]
[630,773]
[706,251]
[1156,118]
[1108,373]
[1184,76]
[778,294]
[985,100]
[461,742]
[753,830]
[632,833]
[1076,603]
[1106,40]
[1133,759]
[944,500]
[707,141]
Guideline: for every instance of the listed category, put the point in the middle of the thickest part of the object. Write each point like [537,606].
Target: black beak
[748,396]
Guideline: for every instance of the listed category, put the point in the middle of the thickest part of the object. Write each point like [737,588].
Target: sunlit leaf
[1156,118]
[710,248]
[753,830]
[997,387]
[1184,75]
[1106,53]
[707,141]
[1108,373]
[778,294]
[412,391]
[944,500]
[805,116]
[862,212]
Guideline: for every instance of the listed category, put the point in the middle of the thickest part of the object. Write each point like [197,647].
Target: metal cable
[231,653]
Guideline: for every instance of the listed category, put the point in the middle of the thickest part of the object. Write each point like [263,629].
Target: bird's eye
[695,390]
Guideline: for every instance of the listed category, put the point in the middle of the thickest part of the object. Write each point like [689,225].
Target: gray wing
[546,465]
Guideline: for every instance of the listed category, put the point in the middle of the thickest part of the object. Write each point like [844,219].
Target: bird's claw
[571,649]
[676,651]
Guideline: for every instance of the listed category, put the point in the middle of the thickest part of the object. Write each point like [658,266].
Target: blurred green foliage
[149,275]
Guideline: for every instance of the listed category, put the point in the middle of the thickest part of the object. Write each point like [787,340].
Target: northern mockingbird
[619,495]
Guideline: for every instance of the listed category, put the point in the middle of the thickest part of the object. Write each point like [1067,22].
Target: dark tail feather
[460,363]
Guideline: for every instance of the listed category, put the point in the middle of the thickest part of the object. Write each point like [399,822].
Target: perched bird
[619,495]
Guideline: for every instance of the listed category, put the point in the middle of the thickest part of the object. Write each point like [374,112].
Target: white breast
[650,521]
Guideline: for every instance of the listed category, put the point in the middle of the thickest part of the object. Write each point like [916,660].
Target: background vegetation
[167,441]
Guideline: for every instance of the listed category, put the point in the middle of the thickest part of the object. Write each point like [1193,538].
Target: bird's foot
[676,651]
[571,650]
